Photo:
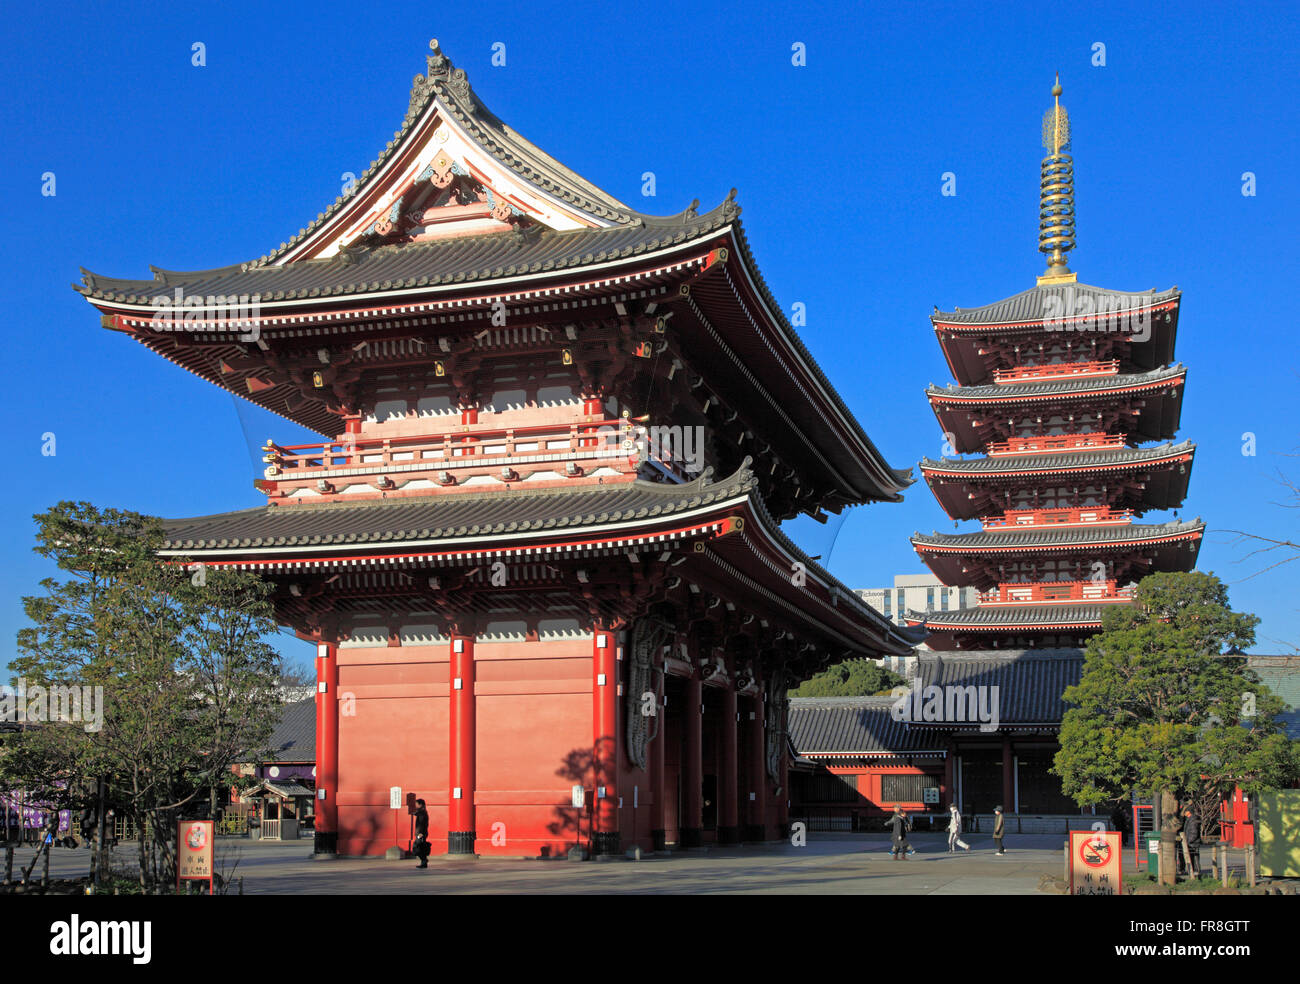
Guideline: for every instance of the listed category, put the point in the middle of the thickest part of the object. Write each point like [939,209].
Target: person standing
[1192,838]
[999,830]
[954,830]
[421,834]
[900,826]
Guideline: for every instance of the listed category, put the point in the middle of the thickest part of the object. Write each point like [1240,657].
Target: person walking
[900,825]
[954,830]
[421,834]
[999,830]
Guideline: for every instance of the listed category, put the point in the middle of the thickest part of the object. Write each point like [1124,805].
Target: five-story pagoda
[1064,388]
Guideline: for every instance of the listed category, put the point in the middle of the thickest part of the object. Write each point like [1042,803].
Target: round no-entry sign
[1095,853]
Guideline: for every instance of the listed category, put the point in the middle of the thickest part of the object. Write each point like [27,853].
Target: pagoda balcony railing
[467,446]
[1048,592]
[1056,370]
[1023,519]
[1054,443]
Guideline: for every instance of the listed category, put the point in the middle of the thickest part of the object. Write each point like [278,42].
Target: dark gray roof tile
[1055,536]
[1032,305]
[1081,385]
[1062,461]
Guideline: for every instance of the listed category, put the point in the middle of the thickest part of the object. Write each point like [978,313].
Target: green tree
[852,678]
[1161,707]
[188,684]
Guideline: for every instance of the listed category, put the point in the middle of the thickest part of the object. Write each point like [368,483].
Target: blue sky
[838,165]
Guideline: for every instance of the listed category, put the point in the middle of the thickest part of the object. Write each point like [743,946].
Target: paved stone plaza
[830,864]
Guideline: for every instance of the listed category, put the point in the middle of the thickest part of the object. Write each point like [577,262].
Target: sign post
[395,804]
[1095,866]
[194,852]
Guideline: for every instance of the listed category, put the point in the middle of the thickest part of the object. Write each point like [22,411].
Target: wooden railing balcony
[1046,592]
[570,448]
[1028,519]
[1055,443]
[1056,370]
[539,440]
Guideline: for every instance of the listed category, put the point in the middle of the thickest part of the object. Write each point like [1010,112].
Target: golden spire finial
[1056,195]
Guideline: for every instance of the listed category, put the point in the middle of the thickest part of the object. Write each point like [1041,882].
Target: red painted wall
[533,730]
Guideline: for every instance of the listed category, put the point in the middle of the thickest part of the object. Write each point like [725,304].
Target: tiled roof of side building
[845,725]
[1061,461]
[1030,687]
[1080,385]
[294,737]
[1058,536]
[1053,301]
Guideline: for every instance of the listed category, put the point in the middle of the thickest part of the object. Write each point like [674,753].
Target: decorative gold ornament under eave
[1056,194]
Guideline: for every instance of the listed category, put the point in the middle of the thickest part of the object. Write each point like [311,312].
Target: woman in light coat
[954,830]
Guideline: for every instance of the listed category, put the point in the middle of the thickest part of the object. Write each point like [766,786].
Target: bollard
[1066,874]
[1250,865]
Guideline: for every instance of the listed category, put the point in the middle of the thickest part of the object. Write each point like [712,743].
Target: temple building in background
[537,547]
[1071,398]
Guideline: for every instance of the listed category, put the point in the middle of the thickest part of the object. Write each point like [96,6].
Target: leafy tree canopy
[1166,705]
[852,678]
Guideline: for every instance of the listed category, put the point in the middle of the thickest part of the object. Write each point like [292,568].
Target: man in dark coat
[999,829]
[421,834]
[1192,837]
[900,825]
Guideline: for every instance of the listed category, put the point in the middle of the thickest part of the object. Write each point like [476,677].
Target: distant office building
[917,593]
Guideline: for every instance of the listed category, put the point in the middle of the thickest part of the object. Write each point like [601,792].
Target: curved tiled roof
[1033,305]
[994,617]
[1061,461]
[1059,537]
[460,260]
[1071,386]
[447,516]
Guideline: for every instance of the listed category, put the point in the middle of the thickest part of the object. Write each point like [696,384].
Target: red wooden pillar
[1008,778]
[461,746]
[783,800]
[658,801]
[327,748]
[692,828]
[756,830]
[729,780]
[604,707]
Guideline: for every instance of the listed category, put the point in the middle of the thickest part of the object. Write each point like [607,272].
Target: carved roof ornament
[440,71]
